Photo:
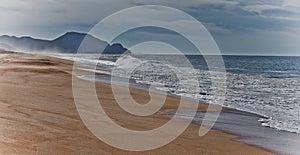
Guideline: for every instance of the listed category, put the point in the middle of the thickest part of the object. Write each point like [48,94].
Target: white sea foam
[277,99]
[88,59]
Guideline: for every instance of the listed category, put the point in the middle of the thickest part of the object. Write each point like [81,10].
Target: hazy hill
[67,43]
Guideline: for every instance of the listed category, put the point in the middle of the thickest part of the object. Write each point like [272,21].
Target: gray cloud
[239,26]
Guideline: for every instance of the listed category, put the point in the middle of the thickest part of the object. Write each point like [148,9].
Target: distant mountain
[67,43]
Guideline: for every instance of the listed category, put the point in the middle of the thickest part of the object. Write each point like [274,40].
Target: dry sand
[38,114]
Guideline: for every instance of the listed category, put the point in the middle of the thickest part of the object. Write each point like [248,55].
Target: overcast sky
[251,27]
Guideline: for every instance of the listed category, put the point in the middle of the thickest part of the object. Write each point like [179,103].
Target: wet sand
[38,114]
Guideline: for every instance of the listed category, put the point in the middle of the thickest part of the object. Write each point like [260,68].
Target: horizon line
[85,33]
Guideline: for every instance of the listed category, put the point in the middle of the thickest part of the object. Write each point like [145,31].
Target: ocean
[265,85]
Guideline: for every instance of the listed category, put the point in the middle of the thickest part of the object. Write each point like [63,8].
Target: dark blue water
[266,66]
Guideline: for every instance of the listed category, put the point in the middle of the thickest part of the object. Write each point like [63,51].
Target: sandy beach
[38,114]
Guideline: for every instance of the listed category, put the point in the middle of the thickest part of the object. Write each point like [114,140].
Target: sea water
[264,85]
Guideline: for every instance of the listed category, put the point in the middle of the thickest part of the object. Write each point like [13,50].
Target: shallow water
[245,124]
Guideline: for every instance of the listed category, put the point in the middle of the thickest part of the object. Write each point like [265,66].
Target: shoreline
[31,122]
[252,136]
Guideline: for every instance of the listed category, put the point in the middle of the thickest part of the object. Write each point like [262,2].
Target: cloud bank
[260,27]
